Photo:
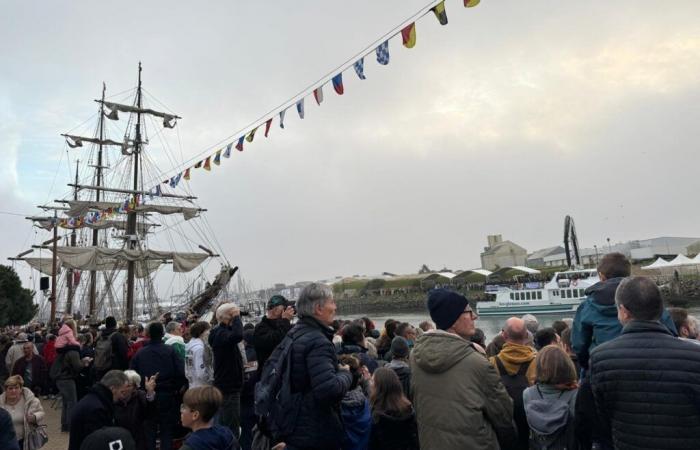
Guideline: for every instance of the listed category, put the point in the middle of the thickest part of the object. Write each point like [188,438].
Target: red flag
[268,124]
[207,163]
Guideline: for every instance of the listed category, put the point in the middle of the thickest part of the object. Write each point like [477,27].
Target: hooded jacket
[458,396]
[94,411]
[596,320]
[32,405]
[403,371]
[550,410]
[354,409]
[214,438]
[515,355]
[65,337]
[397,431]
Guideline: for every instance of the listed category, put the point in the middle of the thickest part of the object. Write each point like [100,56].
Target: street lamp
[609,249]
[596,254]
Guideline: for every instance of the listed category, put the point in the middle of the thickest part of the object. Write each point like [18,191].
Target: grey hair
[531,323]
[134,377]
[172,326]
[315,294]
[222,311]
[114,379]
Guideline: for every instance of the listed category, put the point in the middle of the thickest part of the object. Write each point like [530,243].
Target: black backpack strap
[499,365]
[522,370]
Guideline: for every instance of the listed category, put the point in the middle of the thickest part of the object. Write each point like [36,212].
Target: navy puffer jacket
[316,375]
[646,385]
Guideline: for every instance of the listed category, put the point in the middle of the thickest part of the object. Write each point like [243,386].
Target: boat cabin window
[539,295]
[511,296]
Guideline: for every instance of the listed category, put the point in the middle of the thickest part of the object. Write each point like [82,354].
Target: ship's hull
[499,309]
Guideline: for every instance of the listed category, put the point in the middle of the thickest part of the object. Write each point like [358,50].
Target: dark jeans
[230,412]
[165,421]
[69,398]
[248,421]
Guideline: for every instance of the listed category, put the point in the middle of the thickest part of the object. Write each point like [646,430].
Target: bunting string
[407,31]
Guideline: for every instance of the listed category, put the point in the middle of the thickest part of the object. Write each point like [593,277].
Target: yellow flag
[251,135]
[470,3]
[408,35]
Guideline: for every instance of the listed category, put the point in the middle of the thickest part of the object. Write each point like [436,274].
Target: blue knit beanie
[445,307]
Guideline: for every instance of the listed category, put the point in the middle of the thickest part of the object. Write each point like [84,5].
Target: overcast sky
[504,121]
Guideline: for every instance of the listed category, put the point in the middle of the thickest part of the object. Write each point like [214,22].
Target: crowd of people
[623,374]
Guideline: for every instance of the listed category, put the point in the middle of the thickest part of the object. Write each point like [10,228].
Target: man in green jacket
[459,400]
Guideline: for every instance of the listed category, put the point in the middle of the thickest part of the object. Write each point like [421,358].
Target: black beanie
[445,307]
[109,438]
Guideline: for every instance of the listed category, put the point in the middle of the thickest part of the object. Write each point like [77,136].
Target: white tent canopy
[658,264]
[681,260]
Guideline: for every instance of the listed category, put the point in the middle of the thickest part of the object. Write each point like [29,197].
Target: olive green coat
[459,400]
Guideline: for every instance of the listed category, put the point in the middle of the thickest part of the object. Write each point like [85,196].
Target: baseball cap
[277,300]
[109,438]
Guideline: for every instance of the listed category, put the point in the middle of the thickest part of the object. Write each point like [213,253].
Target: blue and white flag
[300,108]
[175,180]
[360,68]
[383,53]
[227,153]
[282,118]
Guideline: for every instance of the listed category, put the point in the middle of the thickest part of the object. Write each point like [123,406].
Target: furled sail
[43,265]
[169,120]
[116,224]
[77,141]
[100,258]
[187,213]
[81,207]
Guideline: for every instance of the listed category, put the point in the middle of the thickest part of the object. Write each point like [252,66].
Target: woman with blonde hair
[25,410]
[549,404]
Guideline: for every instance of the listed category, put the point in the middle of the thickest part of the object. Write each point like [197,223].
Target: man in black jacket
[156,358]
[646,382]
[96,409]
[316,374]
[224,340]
[272,328]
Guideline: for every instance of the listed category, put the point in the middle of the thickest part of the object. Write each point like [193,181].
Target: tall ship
[561,294]
[126,240]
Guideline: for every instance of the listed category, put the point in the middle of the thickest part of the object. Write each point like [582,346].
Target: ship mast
[98,182]
[131,217]
[69,272]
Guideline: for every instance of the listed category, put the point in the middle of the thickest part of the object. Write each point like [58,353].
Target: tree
[16,305]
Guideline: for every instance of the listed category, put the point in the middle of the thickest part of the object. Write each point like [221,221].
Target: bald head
[515,331]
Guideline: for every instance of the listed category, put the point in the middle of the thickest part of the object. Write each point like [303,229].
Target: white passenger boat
[562,294]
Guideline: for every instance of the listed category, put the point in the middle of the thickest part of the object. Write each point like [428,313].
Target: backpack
[562,438]
[275,403]
[515,385]
[103,353]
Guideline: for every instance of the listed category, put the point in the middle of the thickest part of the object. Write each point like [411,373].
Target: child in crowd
[354,407]
[549,404]
[393,419]
[199,405]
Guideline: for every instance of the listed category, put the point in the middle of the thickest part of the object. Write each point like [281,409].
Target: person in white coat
[198,356]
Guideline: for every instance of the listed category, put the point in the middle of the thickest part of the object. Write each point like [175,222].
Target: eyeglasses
[471,313]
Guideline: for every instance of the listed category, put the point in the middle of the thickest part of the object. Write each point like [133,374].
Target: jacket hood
[437,351]
[514,355]
[172,339]
[603,292]
[218,437]
[26,392]
[395,416]
[549,413]
[354,398]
